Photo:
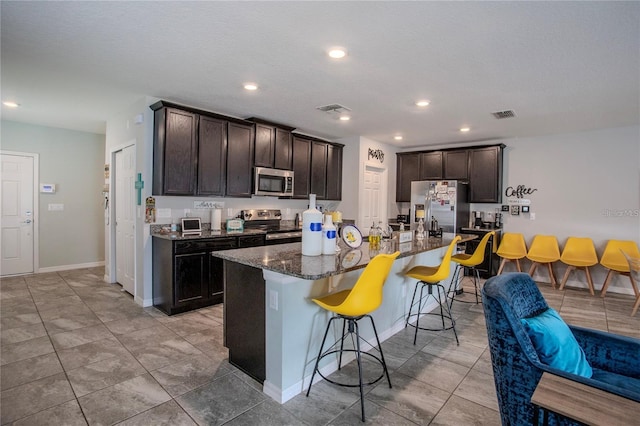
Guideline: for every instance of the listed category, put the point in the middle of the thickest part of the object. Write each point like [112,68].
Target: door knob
[27,221]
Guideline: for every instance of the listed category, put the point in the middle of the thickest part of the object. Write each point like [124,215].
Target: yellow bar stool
[544,250]
[430,277]
[470,262]
[351,306]
[614,260]
[512,248]
[579,253]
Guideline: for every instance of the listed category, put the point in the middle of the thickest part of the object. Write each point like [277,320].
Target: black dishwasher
[489,267]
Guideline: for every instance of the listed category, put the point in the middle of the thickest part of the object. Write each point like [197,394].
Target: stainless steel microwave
[273,182]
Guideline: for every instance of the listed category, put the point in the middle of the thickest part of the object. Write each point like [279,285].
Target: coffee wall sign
[519,191]
[515,198]
[378,154]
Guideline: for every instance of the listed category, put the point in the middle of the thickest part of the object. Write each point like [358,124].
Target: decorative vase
[312,229]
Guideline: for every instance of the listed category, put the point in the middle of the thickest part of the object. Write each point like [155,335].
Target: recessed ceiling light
[337,53]
[10,104]
[464,129]
[345,118]
[398,138]
[251,86]
[422,103]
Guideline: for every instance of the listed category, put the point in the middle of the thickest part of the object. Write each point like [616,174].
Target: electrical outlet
[273,300]
[56,207]
[163,213]
[532,216]
[187,212]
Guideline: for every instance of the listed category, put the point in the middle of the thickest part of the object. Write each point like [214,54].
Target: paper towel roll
[216,219]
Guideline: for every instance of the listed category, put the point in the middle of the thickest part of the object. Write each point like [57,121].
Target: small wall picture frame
[524,209]
[515,210]
[505,208]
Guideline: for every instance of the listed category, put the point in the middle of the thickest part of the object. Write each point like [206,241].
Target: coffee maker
[498,220]
[478,218]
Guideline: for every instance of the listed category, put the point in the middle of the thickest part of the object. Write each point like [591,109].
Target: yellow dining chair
[614,260]
[544,250]
[512,248]
[470,262]
[579,253]
[351,306]
[430,277]
[634,272]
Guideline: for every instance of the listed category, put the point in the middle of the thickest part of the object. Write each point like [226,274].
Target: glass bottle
[420,230]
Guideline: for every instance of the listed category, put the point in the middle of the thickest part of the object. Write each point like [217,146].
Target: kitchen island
[273,329]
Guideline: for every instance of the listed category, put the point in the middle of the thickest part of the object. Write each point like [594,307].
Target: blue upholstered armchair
[517,368]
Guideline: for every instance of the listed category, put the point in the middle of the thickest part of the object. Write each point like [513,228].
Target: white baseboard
[70,267]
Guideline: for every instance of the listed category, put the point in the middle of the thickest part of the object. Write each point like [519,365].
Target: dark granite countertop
[287,259]
[205,234]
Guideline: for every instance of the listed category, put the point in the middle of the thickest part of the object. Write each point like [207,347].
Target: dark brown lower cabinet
[244,319]
[185,275]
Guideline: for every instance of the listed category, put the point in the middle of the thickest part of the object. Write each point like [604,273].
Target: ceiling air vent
[334,108]
[504,114]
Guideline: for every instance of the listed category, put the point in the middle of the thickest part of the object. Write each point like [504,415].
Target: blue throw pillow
[555,344]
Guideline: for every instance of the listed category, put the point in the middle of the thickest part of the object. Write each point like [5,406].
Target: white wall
[122,130]
[355,159]
[74,161]
[588,185]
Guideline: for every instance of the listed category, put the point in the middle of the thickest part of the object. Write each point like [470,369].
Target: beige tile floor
[75,350]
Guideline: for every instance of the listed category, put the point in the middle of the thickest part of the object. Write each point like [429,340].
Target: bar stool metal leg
[350,327]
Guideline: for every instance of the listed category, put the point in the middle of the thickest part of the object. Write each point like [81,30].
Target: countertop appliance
[443,200]
[269,220]
[273,182]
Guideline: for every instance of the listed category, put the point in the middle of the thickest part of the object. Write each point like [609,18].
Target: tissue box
[404,236]
[235,225]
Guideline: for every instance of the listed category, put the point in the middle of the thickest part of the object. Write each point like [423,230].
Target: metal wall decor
[378,154]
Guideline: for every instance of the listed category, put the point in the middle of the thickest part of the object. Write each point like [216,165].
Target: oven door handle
[283,235]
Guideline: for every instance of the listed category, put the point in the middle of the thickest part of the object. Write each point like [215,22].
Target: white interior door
[17,214]
[373,208]
[125,217]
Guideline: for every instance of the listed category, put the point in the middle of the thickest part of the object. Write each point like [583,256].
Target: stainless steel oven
[268,220]
[284,237]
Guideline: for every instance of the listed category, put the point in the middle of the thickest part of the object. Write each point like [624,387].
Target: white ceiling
[561,66]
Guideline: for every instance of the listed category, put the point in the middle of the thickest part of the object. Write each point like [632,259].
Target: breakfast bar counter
[273,329]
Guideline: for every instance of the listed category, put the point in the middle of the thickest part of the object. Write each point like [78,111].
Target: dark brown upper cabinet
[175,152]
[239,160]
[480,166]
[265,146]
[212,156]
[334,172]
[485,174]
[431,165]
[407,170]
[301,167]
[273,145]
[456,164]
[284,150]
[319,169]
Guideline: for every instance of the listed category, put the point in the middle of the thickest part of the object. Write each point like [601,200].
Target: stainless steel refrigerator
[442,200]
